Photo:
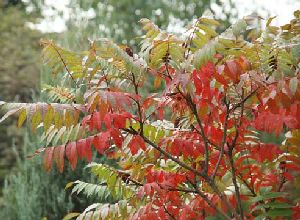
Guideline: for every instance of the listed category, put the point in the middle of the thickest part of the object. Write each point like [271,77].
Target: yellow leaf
[35,120]
[70,184]
[58,120]
[209,21]
[48,117]
[68,119]
[22,117]
[71,215]
[208,30]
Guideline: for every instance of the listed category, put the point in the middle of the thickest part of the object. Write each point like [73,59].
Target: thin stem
[136,89]
[190,38]
[65,65]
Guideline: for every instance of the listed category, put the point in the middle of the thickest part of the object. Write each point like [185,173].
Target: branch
[201,132]
[210,182]
[243,100]
[247,185]
[223,143]
[236,187]
[171,216]
[168,155]
[209,202]
[203,174]
[230,155]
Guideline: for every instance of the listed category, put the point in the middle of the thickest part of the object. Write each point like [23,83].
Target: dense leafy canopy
[193,150]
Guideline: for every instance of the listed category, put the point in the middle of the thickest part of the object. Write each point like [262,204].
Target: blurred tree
[119,19]
[26,200]
[19,56]
[7,3]
[19,71]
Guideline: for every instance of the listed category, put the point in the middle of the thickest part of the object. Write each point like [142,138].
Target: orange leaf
[48,156]
[58,155]
[71,154]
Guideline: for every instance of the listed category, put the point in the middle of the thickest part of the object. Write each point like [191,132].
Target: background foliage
[19,72]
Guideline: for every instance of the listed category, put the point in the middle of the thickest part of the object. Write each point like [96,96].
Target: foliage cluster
[205,159]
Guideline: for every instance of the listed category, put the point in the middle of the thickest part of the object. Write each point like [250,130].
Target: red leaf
[232,70]
[135,143]
[71,154]
[117,137]
[133,147]
[197,82]
[119,121]
[102,108]
[140,142]
[80,147]
[107,121]
[291,166]
[88,149]
[98,144]
[288,176]
[59,153]
[96,120]
[160,113]
[220,79]
[101,142]
[48,156]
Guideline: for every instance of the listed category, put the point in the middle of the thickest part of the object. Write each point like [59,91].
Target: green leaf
[239,27]
[51,135]
[270,195]
[279,212]
[59,135]
[270,20]
[211,32]
[273,205]
[293,85]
